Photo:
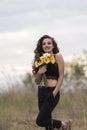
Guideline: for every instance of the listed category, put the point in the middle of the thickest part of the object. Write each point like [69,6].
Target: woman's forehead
[47,39]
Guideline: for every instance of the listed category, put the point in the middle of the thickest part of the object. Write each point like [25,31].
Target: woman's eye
[44,43]
[49,43]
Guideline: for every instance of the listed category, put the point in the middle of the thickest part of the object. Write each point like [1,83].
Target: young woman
[49,95]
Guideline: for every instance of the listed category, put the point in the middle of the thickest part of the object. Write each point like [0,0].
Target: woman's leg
[42,95]
[48,128]
[46,107]
[53,102]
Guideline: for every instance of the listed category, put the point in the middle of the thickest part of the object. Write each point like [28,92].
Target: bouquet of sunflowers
[44,60]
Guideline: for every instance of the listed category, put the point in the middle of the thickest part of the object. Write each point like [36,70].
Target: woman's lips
[47,48]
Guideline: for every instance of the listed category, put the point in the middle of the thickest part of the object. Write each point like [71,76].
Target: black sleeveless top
[52,71]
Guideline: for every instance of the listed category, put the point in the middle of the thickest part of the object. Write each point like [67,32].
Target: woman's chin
[47,51]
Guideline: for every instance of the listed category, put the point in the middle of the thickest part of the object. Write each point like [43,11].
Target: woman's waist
[51,82]
[46,88]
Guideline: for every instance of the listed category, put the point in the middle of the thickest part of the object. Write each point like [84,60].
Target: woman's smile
[47,48]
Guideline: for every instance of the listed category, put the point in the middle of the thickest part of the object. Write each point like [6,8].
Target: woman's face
[47,45]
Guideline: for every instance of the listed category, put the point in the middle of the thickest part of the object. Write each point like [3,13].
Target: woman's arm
[41,70]
[60,62]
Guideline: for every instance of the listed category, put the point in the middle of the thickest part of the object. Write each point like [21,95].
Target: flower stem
[44,80]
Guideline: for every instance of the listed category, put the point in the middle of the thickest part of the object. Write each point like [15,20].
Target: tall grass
[73,107]
[18,109]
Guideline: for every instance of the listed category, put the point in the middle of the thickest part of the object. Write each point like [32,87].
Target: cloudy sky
[23,22]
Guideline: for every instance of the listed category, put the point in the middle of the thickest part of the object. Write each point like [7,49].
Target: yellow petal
[52,59]
[46,60]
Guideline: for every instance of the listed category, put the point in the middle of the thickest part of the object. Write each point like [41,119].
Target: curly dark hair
[39,44]
[39,50]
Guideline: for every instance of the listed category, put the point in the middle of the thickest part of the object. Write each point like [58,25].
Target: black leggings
[46,104]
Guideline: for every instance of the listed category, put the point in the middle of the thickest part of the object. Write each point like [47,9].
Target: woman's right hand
[42,69]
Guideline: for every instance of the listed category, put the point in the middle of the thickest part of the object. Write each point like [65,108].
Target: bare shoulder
[59,57]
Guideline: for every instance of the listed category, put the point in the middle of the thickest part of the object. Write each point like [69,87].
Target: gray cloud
[17,14]
[22,22]
[17,6]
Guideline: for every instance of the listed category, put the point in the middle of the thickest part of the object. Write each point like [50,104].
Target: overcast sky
[23,22]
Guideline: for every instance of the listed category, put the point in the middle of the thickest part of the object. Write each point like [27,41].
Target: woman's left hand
[54,94]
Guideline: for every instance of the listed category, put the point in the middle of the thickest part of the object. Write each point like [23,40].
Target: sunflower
[46,60]
[52,59]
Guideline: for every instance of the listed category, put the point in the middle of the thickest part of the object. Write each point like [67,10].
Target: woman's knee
[39,122]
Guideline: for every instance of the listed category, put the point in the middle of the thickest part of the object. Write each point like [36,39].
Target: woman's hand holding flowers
[42,69]
[41,62]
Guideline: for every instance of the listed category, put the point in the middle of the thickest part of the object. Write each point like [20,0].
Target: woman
[49,95]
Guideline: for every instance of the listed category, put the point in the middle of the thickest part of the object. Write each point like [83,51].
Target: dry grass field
[18,110]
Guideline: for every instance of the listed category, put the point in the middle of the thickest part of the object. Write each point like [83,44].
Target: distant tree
[77,70]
